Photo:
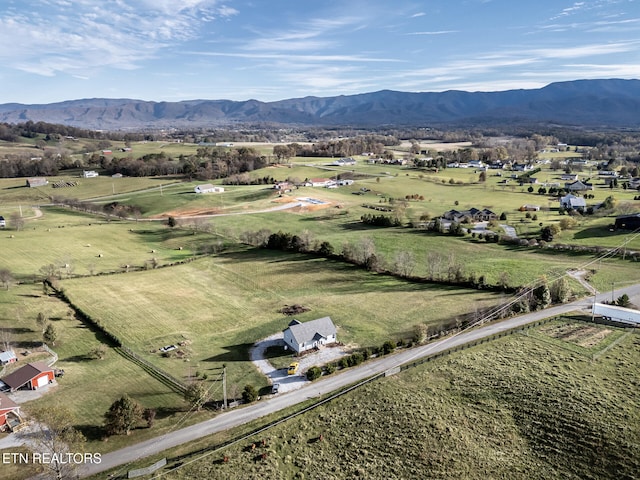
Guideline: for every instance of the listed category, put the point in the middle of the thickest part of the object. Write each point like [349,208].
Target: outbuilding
[8,357]
[628,222]
[30,377]
[208,188]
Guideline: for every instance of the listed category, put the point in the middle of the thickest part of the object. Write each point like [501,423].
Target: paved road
[351,376]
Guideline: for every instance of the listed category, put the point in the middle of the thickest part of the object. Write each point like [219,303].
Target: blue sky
[171,50]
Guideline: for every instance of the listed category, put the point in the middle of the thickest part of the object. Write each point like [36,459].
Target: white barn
[208,188]
[301,337]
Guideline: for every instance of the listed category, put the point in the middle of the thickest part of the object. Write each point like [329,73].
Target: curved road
[351,376]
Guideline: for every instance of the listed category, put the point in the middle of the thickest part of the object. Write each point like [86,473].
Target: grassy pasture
[521,407]
[89,386]
[222,305]
[61,237]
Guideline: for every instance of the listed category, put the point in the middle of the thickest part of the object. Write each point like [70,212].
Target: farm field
[89,386]
[527,406]
[219,306]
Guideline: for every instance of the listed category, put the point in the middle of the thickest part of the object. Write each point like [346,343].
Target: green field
[532,406]
[221,305]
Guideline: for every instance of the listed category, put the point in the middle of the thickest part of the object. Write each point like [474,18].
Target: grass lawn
[521,407]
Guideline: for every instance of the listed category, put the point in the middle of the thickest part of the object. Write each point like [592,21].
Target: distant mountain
[613,103]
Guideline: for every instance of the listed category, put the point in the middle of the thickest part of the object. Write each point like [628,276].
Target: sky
[172,50]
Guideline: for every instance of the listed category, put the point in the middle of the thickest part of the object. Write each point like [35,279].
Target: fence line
[54,355]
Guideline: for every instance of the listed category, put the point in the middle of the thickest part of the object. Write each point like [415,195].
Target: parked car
[293,368]
[275,388]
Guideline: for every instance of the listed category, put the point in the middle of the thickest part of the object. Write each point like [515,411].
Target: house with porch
[301,337]
[9,414]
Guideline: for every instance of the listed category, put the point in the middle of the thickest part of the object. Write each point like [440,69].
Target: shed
[36,182]
[8,357]
[301,337]
[30,377]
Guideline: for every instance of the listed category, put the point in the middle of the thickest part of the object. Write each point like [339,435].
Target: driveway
[291,382]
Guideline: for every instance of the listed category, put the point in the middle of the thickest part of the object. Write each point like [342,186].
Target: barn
[208,188]
[30,377]
[628,222]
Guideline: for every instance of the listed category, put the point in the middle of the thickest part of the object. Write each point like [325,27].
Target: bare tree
[55,436]
[6,338]
[434,265]
[404,263]
[6,278]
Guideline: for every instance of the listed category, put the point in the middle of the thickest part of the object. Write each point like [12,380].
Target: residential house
[521,167]
[469,216]
[572,202]
[30,377]
[578,186]
[283,187]
[531,180]
[208,188]
[90,174]
[3,222]
[9,414]
[301,337]
[36,182]
[343,162]
[8,357]
[569,177]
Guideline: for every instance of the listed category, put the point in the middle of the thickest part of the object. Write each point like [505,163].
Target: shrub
[330,368]
[249,394]
[356,359]
[314,373]
[343,362]
[388,347]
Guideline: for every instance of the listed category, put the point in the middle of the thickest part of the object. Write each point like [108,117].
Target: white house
[208,188]
[301,337]
[3,222]
[345,182]
[571,201]
[8,357]
[89,174]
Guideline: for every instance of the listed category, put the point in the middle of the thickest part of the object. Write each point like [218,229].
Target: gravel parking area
[291,382]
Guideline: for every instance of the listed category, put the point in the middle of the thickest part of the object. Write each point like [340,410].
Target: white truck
[617,314]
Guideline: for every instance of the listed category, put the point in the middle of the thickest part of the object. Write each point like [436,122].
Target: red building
[30,377]
[9,413]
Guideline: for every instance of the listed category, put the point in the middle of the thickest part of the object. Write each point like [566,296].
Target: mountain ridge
[605,102]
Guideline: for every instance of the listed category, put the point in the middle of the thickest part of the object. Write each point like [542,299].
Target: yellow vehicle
[293,368]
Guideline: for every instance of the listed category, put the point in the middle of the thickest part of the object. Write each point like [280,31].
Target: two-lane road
[351,376]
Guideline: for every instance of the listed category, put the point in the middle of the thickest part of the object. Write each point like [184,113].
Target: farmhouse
[3,222]
[89,174]
[571,201]
[628,222]
[8,357]
[9,413]
[344,161]
[208,188]
[36,182]
[30,377]
[345,182]
[578,186]
[569,177]
[301,337]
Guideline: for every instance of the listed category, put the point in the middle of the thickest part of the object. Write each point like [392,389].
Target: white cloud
[81,36]
[437,32]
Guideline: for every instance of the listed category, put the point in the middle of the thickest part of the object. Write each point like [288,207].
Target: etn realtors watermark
[47,458]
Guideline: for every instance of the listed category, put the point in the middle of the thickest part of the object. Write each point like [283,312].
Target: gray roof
[7,356]
[308,331]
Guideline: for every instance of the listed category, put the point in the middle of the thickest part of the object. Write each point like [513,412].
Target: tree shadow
[233,353]
[91,432]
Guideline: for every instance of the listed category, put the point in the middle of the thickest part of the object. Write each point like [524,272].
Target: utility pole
[224,385]
[612,299]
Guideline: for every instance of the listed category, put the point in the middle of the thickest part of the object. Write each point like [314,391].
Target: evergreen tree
[122,416]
